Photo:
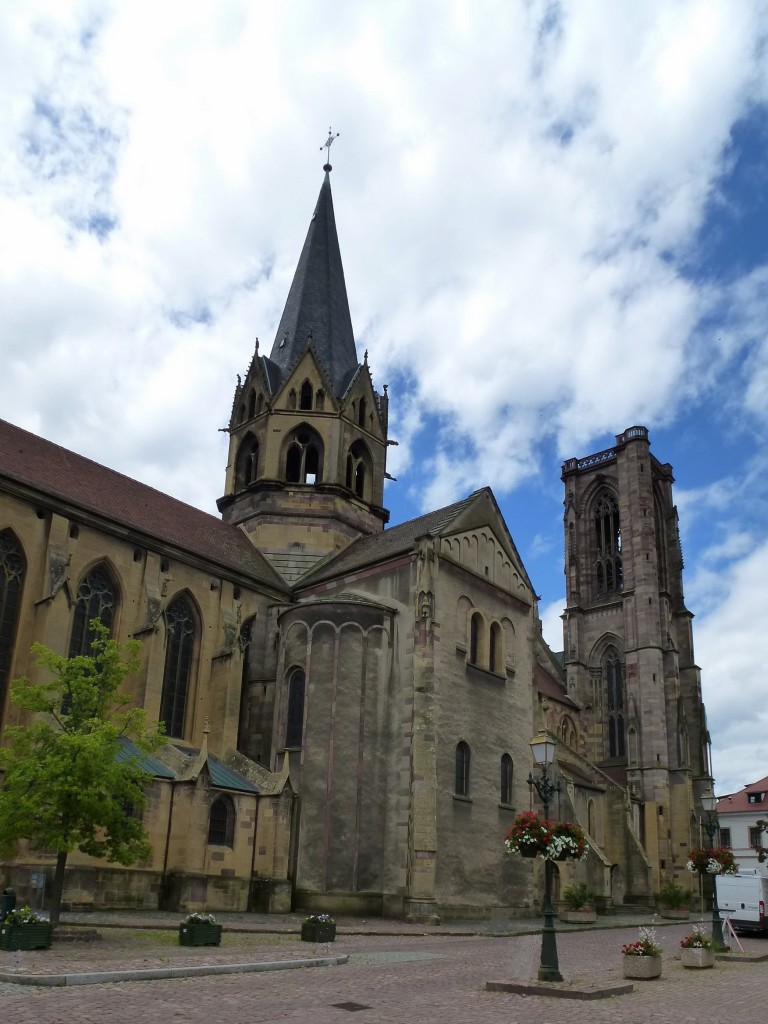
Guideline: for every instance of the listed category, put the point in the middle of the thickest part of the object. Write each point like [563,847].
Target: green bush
[673,896]
[578,896]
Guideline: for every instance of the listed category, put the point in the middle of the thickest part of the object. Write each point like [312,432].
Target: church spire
[317,309]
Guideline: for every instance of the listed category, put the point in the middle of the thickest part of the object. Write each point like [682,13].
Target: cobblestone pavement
[399,979]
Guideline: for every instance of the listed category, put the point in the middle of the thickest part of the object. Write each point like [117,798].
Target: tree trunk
[58,887]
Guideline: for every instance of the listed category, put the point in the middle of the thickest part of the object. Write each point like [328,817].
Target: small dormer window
[755,798]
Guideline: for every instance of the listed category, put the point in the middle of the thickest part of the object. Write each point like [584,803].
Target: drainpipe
[249,904]
[167,844]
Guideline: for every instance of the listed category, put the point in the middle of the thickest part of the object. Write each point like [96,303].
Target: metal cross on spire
[327,145]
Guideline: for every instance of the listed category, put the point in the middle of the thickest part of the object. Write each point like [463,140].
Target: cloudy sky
[554,224]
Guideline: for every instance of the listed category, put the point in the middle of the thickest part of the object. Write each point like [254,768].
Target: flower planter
[527,851]
[25,936]
[200,933]
[674,913]
[578,916]
[642,967]
[697,956]
[318,931]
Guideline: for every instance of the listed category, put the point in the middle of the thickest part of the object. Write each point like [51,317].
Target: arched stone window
[461,786]
[177,673]
[361,412]
[494,648]
[505,789]
[476,639]
[12,572]
[221,822]
[304,457]
[251,404]
[358,469]
[96,599]
[591,822]
[292,398]
[305,395]
[241,413]
[260,404]
[608,565]
[568,731]
[247,462]
[613,687]
[294,726]
[320,400]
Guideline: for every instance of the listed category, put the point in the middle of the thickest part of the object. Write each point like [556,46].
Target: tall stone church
[349,705]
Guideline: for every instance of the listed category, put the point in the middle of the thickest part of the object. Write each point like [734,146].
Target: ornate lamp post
[711,825]
[543,747]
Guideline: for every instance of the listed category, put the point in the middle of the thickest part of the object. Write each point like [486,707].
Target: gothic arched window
[303,458]
[247,462]
[96,599]
[505,789]
[614,703]
[221,822]
[251,404]
[305,395]
[179,647]
[608,567]
[361,413]
[12,571]
[358,468]
[461,787]
[294,728]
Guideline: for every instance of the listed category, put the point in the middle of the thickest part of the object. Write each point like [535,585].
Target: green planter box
[202,934]
[318,931]
[25,936]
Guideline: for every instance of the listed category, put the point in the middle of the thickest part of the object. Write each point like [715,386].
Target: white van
[743,899]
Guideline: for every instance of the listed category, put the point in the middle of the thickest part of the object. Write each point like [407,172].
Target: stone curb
[162,973]
[553,991]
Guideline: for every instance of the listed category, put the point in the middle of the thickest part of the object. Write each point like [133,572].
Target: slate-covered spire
[317,309]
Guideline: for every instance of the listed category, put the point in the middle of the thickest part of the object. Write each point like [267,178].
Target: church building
[349,705]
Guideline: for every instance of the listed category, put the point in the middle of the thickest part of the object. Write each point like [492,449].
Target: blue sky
[553,219]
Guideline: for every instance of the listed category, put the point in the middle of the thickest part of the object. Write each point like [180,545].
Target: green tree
[70,781]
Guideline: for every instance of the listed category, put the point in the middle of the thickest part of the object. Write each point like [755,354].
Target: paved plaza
[395,974]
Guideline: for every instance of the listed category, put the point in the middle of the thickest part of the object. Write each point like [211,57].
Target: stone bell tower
[308,432]
[629,644]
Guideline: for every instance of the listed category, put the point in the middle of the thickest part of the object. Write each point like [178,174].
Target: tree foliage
[70,778]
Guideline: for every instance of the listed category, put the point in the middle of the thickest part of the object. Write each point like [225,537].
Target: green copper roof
[129,751]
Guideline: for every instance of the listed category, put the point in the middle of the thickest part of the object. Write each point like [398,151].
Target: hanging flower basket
[567,841]
[717,861]
[529,835]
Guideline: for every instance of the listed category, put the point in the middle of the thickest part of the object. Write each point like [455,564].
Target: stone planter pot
[528,851]
[674,913]
[578,916]
[200,934]
[697,957]
[25,936]
[318,931]
[642,967]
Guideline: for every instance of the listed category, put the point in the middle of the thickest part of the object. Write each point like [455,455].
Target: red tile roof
[738,803]
[82,484]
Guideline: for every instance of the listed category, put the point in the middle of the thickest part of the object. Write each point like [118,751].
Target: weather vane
[327,145]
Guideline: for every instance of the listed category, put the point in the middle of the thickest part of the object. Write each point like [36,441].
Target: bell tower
[629,643]
[308,431]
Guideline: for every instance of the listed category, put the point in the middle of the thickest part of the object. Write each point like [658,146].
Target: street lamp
[543,747]
[711,825]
